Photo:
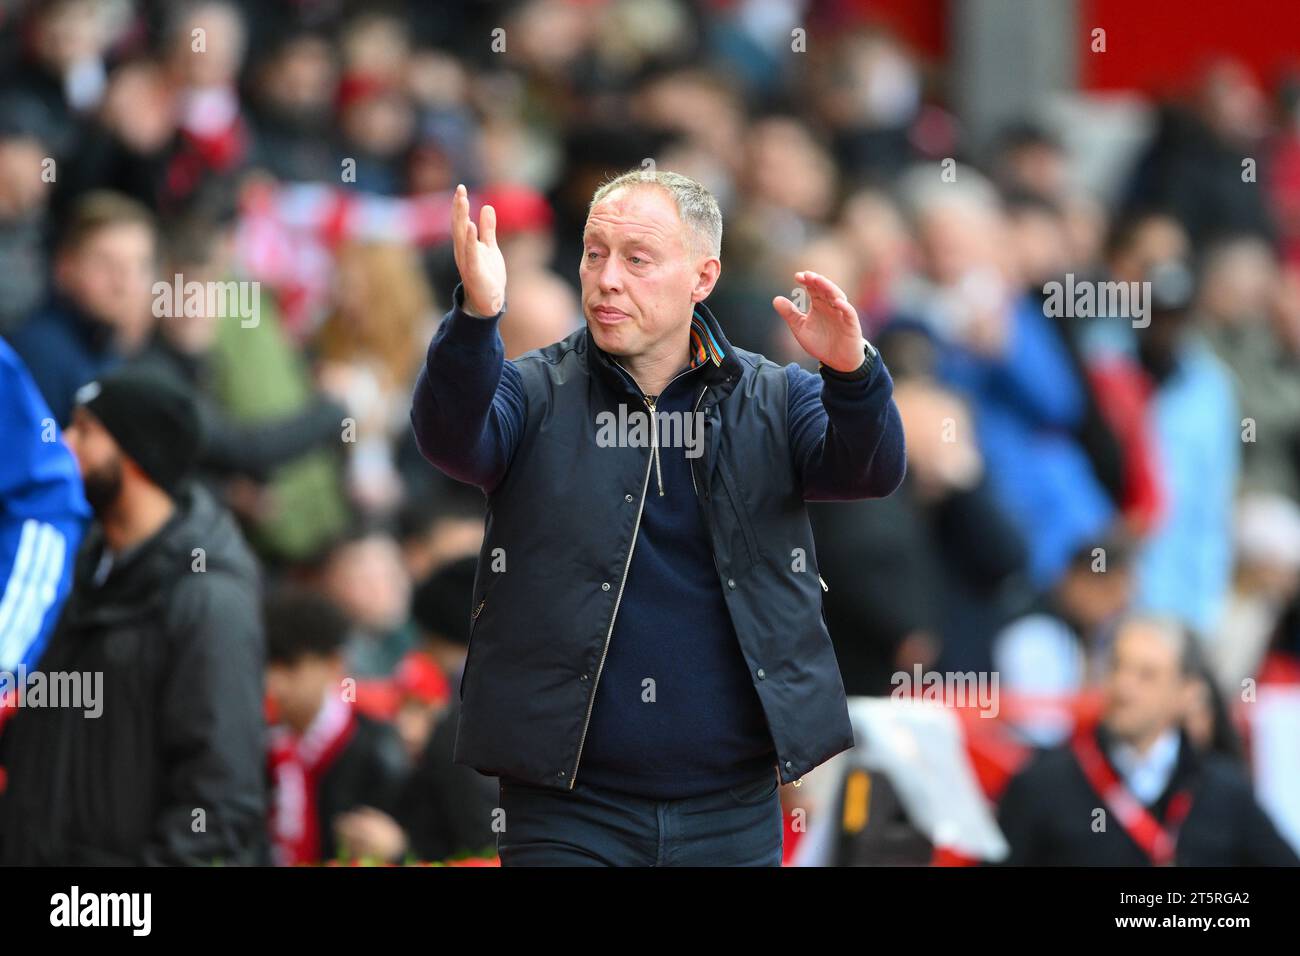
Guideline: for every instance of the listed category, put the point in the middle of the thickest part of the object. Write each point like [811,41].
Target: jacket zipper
[654,420]
[654,442]
[645,487]
[694,486]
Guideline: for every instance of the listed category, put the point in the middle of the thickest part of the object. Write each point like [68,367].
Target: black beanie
[441,604]
[152,419]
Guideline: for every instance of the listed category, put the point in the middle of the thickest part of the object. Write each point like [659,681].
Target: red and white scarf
[297,765]
[1156,838]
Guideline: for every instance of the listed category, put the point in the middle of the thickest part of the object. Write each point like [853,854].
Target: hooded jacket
[165,764]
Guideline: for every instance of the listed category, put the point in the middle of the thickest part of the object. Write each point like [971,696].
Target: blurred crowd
[1063,470]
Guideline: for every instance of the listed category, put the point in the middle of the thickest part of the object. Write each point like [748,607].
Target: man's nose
[611,275]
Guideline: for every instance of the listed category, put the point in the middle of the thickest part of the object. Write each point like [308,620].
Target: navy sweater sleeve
[845,432]
[469,407]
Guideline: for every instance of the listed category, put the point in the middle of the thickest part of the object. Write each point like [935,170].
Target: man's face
[98,458]
[110,275]
[1145,690]
[640,278]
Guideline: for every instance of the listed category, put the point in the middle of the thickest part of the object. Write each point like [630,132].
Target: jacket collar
[709,347]
[97,336]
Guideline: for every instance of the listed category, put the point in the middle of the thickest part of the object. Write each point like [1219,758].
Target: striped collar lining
[704,347]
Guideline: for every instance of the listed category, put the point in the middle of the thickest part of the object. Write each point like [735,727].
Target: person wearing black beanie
[151,421]
[165,613]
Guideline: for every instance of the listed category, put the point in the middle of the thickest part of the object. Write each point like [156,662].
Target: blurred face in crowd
[302,77]
[139,107]
[1146,691]
[1039,167]
[542,310]
[22,188]
[1092,598]
[958,236]
[1240,282]
[110,273]
[297,688]
[414,723]
[1039,246]
[99,459]
[641,273]
[68,33]
[367,580]
[382,124]
[788,169]
[217,62]
[1155,239]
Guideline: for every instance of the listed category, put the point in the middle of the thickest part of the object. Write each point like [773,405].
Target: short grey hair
[696,206]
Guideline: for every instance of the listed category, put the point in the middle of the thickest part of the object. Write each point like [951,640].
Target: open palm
[829,331]
[478,257]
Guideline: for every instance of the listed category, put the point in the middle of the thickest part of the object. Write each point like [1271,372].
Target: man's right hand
[478,257]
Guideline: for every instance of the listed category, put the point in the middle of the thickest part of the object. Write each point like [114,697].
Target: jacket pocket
[738,507]
[469,649]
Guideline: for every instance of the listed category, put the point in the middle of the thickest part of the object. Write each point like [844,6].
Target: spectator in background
[164,613]
[929,573]
[998,350]
[1193,166]
[446,809]
[1184,565]
[364,577]
[376,118]
[440,525]
[63,70]
[371,345]
[101,308]
[543,309]
[292,109]
[182,349]
[1239,288]
[1165,802]
[1059,647]
[205,45]
[326,758]
[1029,158]
[43,515]
[24,202]
[1265,581]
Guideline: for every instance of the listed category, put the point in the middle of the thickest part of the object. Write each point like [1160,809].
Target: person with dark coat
[925,575]
[1132,790]
[99,310]
[446,810]
[655,663]
[160,763]
[326,757]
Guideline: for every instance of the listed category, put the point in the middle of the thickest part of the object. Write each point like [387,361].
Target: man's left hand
[829,331]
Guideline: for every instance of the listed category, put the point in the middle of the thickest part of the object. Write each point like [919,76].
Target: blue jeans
[591,826]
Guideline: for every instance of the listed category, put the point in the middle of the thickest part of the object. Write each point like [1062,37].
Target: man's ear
[706,277]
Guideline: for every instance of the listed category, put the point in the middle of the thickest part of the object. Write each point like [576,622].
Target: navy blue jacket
[650,613]
[64,349]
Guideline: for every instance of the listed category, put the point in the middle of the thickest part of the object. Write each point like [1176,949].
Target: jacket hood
[198,523]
